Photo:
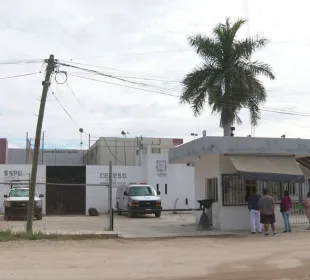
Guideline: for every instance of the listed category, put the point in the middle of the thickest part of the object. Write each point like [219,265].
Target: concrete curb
[150,238]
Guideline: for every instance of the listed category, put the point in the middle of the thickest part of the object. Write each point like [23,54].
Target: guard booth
[228,168]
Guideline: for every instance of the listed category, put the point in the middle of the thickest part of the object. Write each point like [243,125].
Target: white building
[226,168]
[74,188]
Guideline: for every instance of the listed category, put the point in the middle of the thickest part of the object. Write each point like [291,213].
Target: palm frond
[227,80]
[205,47]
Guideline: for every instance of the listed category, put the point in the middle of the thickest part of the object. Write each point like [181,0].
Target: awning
[268,168]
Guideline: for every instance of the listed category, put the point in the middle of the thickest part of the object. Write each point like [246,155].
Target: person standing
[307,208]
[267,216]
[286,208]
[253,207]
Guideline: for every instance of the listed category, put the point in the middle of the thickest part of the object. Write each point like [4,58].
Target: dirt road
[286,256]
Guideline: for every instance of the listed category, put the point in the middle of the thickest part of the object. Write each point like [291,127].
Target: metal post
[88,154]
[110,196]
[125,151]
[27,151]
[46,85]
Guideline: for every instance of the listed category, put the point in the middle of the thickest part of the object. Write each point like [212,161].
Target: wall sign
[117,179]
[10,175]
[161,168]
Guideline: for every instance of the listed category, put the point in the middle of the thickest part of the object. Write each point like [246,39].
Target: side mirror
[125,193]
[5,196]
[158,192]
[41,195]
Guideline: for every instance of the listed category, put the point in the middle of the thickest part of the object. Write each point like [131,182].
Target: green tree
[227,79]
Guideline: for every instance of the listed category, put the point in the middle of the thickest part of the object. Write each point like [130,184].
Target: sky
[145,42]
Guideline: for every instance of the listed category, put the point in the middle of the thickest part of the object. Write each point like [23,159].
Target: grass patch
[8,235]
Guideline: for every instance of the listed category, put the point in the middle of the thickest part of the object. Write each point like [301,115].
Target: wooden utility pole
[32,187]
[27,146]
[88,154]
[42,147]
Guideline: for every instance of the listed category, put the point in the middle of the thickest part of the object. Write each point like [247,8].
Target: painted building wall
[50,157]
[9,172]
[125,149]
[207,167]
[3,151]
[97,196]
[238,217]
[223,217]
[178,177]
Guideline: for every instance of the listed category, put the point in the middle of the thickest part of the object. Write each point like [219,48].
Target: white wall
[97,196]
[207,167]
[178,177]
[10,172]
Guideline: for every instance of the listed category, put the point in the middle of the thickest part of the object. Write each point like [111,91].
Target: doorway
[68,197]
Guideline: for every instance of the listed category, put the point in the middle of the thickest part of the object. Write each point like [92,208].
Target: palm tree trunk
[226,129]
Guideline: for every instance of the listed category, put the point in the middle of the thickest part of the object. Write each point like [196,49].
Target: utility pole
[88,154]
[27,151]
[110,196]
[46,84]
[43,147]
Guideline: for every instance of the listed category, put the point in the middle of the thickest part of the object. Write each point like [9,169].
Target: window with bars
[212,188]
[235,190]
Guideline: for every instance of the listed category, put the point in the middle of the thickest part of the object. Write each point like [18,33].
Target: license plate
[148,209]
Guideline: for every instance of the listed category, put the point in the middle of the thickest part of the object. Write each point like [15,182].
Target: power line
[126,86]
[21,75]
[102,74]
[65,111]
[271,110]
[84,131]
[12,62]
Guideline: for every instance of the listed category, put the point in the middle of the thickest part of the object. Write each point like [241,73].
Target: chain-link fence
[59,208]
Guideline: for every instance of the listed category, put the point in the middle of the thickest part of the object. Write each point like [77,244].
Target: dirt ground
[285,256]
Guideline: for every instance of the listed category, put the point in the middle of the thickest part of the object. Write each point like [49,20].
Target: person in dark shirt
[253,206]
[286,208]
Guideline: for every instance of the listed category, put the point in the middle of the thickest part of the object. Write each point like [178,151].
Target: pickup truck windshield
[141,191]
[19,193]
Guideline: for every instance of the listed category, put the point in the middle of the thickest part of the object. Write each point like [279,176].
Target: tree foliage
[227,79]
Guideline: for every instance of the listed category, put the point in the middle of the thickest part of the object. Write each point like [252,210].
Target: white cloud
[141,39]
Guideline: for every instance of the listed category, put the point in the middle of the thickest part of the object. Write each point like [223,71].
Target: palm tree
[227,78]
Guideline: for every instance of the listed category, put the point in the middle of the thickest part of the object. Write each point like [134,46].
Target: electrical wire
[74,122]
[266,109]
[21,75]
[102,74]
[126,86]
[16,62]
[65,110]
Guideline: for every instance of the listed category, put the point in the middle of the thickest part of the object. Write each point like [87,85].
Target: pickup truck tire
[130,214]
[39,217]
[158,214]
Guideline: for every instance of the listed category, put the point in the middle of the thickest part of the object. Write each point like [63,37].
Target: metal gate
[298,194]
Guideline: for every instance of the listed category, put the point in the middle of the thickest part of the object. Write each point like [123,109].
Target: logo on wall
[161,167]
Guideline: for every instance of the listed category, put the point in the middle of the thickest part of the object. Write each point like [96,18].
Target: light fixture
[232,129]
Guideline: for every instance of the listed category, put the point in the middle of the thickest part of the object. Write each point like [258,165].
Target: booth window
[157,187]
[212,188]
[166,188]
[235,190]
